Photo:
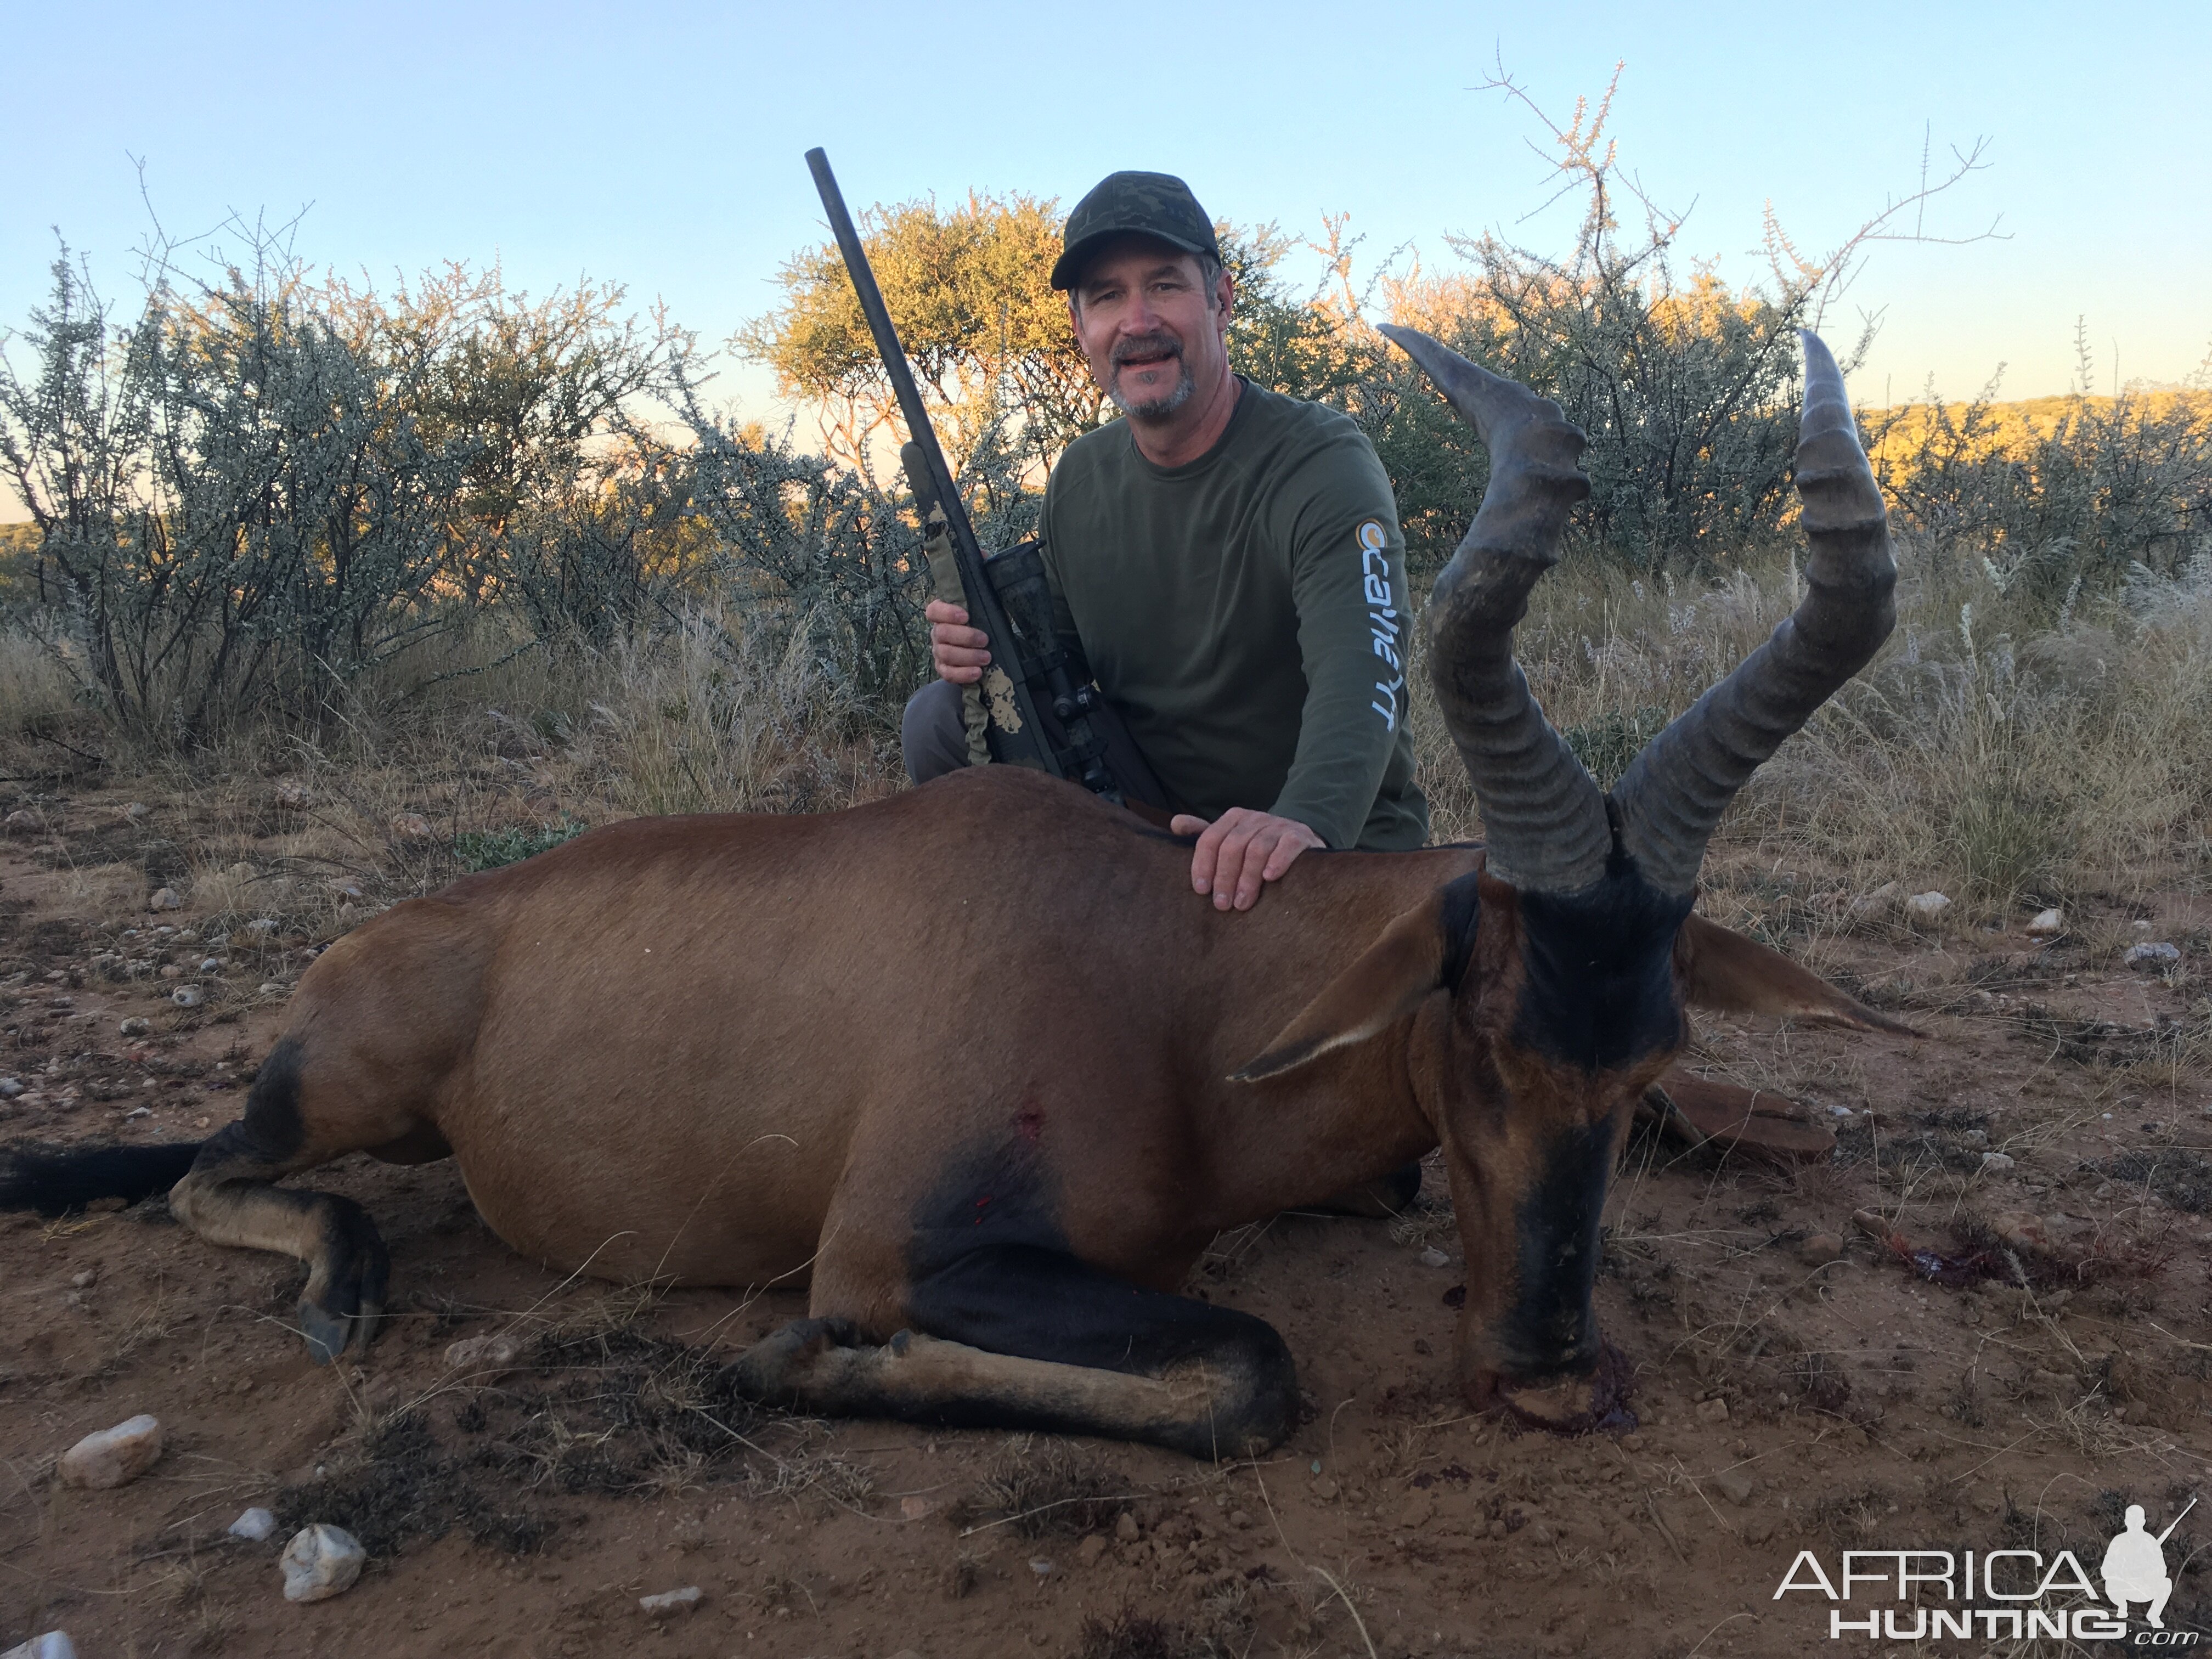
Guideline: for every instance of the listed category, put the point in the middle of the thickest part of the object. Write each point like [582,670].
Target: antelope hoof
[1574,1402]
[776,1368]
[327,1333]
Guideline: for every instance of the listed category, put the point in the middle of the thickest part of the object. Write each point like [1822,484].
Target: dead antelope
[973,1064]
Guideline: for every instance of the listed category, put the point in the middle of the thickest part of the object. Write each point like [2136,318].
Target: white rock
[10,1087]
[136,811]
[262,924]
[275,987]
[1432,1257]
[188,996]
[2048,924]
[164,898]
[54,1644]
[1876,902]
[321,1561]
[488,1356]
[113,1457]
[210,964]
[2149,955]
[135,1026]
[672,1601]
[1926,907]
[1041,1567]
[1998,1163]
[253,1526]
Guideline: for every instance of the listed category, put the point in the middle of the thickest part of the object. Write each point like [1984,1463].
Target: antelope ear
[1722,970]
[1415,956]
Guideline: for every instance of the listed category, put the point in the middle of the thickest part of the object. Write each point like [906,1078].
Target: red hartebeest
[976,1064]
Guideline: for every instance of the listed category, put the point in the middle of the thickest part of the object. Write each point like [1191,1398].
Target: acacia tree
[264,486]
[968,291]
[2104,491]
[66,434]
[1684,385]
[533,399]
[994,353]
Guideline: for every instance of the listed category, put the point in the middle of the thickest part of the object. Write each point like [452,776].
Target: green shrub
[488,849]
[1606,744]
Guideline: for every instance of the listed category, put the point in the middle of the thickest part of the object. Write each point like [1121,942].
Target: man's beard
[1158,405]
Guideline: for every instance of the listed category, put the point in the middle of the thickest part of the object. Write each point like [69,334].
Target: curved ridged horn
[1543,817]
[1674,793]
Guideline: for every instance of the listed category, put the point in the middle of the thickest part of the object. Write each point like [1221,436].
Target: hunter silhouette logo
[2134,1567]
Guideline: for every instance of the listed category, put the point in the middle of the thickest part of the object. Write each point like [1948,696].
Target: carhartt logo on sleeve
[1382,618]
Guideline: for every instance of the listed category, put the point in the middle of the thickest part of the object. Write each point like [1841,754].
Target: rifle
[1040,709]
[2176,1522]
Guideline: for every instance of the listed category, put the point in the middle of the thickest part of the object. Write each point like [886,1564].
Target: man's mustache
[1147,345]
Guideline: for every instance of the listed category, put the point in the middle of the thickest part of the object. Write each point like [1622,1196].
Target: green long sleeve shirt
[1247,613]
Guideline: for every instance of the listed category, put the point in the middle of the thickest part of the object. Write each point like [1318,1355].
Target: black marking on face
[1548,1327]
[1600,990]
[272,1126]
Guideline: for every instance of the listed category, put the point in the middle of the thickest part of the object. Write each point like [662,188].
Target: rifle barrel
[984,610]
[894,354]
[2176,1522]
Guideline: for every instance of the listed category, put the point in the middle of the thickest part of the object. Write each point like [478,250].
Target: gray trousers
[933,735]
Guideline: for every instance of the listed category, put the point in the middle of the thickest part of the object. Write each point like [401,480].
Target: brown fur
[747,1050]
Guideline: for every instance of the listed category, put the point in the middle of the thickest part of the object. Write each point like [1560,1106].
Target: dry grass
[1039,1487]
[2010,760]
[419,779]
[2006,759]
[38,692]
[710,719]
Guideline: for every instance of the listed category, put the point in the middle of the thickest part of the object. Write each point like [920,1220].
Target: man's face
[1151,332]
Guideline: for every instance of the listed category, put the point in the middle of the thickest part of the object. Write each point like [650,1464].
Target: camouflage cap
[1122,203]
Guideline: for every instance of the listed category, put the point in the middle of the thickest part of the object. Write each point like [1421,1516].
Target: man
[2135,1568]
[1229,561]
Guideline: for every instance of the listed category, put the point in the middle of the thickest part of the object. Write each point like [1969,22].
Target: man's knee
[934,732]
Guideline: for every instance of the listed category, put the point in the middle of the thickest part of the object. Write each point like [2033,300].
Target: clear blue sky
[660,145]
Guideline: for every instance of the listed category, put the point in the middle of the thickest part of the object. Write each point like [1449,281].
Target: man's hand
[1240,851]
[961,653]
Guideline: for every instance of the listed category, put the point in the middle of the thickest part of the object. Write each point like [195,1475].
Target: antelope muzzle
[1530,1345]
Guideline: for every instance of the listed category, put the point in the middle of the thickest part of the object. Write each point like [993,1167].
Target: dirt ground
[1802,1384]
